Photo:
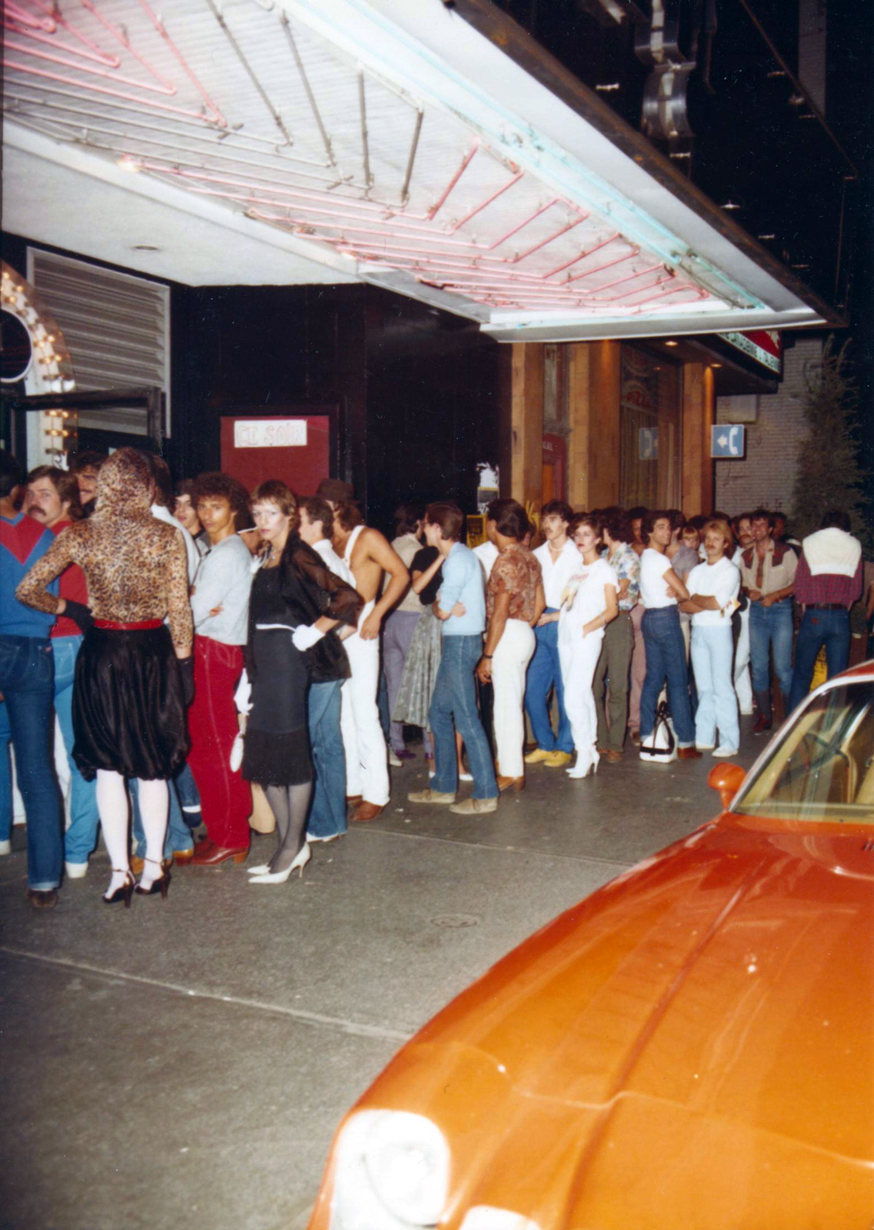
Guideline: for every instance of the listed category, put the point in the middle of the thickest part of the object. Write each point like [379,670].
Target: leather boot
[763,721]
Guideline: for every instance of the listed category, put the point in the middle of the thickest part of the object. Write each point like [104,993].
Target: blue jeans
[455,698]
[27,684]
[328,809]
[178,833]
[81,837]
[712,655]
[829,628]
[771,631]
[544,672]
[665,659]
[5,775]
[188,796]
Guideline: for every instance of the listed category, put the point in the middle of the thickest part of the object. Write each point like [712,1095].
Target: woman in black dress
[295,606]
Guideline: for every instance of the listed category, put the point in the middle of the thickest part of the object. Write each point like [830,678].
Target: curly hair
[214,485]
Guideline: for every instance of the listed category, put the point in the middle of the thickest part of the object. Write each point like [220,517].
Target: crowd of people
[181,658]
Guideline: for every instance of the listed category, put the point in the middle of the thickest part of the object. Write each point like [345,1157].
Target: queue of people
[206,647]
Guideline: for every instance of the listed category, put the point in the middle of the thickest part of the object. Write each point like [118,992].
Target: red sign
[763,345]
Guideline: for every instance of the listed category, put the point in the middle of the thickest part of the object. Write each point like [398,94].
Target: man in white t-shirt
[660,590]
[559,560]
[714,587]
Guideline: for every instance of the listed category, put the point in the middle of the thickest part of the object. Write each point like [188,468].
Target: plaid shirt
[828,588]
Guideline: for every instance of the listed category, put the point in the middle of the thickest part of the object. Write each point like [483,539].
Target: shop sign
[270,433]
[763,345]
[727,440]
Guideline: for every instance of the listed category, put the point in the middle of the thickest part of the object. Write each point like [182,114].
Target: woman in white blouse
[713,588]
[590,603]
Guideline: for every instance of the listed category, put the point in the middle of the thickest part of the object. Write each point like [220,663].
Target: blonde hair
[719,526]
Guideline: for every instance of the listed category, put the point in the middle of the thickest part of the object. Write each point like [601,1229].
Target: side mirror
[727,779]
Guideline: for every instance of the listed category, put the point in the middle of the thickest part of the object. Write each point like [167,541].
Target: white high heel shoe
[260,869]
[301,859]
[579,771]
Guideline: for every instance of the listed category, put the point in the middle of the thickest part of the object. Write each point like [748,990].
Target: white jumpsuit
[579,657]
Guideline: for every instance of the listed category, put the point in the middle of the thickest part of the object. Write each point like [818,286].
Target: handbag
[660,746]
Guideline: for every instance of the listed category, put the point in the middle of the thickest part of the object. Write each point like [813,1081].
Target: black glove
[80,614]
[186,671]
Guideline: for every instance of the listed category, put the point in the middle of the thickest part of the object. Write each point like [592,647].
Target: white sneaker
[76,871]
[393,759]
[705,747]
[724,750]
[6,847]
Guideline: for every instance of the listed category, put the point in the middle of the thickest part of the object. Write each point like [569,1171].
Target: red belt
[113,625]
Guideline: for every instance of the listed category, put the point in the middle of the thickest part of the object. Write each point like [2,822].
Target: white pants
[509,664]
[363,740]
[578,662]
[742,685]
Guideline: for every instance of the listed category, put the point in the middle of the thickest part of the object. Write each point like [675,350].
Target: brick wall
[767,475]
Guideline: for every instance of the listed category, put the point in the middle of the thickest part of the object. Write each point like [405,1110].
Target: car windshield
[823,766]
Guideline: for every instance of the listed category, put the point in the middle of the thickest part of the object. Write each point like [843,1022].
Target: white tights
[112,804]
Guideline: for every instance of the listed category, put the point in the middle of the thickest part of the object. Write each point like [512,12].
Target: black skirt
[276,749]
[128,710]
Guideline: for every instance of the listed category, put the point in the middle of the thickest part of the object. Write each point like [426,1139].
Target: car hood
[692,1046]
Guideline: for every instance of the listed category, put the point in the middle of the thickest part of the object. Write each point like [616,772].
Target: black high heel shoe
[124,892]
[160,885]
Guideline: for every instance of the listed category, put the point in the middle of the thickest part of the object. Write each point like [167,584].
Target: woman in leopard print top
[133,672]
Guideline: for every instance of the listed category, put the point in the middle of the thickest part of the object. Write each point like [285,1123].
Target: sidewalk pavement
[185,1063]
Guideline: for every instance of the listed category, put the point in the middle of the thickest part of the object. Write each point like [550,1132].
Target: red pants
[225,799]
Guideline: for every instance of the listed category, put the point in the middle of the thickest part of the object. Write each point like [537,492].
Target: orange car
[690,1048]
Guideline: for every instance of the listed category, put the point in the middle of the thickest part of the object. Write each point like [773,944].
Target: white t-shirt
[557,573]
[587,603]
[486,553]
[654,590]
[720,581]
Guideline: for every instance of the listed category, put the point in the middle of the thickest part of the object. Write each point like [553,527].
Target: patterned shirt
[515,572]
[829,588]
[625,562]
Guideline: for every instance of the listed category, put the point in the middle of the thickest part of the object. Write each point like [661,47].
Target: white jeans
[742,685]
[578,662]
[363,740]
[509,664]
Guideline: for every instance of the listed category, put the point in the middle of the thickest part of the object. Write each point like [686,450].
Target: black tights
[289,805]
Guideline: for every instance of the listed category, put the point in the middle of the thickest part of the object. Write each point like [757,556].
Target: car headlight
[392,1172]
[485,1217]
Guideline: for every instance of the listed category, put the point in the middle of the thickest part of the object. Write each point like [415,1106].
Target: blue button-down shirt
[463,582]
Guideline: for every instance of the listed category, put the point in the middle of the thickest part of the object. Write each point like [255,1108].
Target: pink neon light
[697,291]
[629,277]
[466,161]
[159,26]
[99,89]
[582,256]
[11,23]
[619,260]
[536,214]
[564,230]
[96,72]
[628,294]
[126,43]
[27,19]
[487,201]
[57,18]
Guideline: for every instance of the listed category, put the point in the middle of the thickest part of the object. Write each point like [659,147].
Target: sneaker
[393,759]
[465,777]
[75,871]
[558,760]
[535,757]
[725,750]
[474,807]
[431,796]
[6,846]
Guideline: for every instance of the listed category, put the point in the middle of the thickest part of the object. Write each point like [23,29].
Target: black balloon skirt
[128,709]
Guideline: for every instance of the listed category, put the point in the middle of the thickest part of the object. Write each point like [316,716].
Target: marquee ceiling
[283,141]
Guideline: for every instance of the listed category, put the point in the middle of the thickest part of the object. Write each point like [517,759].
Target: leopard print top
[136,566]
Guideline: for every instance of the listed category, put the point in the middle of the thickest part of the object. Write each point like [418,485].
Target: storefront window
[555,423]
[649,454]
